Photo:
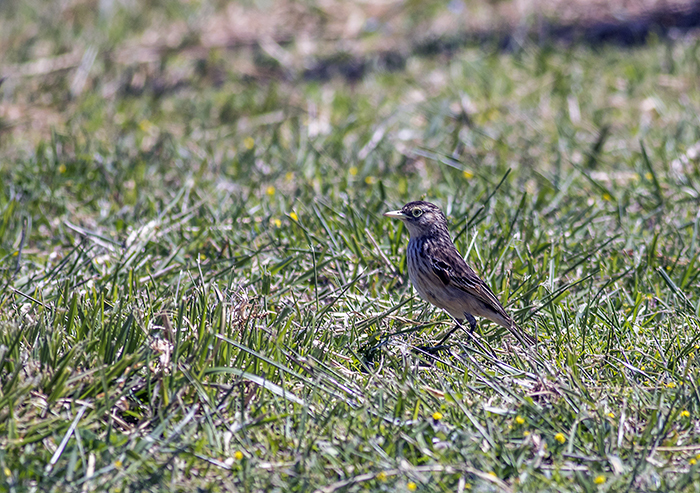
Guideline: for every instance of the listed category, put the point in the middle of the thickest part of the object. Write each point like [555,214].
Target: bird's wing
[451,269]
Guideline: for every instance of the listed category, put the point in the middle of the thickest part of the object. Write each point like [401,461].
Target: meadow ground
[200,292]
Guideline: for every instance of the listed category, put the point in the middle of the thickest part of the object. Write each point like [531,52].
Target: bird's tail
[523,337]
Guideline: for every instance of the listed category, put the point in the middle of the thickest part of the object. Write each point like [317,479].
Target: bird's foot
[431,353]
[441,348]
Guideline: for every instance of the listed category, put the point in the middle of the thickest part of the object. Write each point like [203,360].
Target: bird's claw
[432,350]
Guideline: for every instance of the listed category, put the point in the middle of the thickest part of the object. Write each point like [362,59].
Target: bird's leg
[472,322]
[447,336]
[458,323]
[440,346]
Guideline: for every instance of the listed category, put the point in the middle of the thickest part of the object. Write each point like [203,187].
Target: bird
[441,275]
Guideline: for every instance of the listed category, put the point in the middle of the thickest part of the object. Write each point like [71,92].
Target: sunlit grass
[199,290]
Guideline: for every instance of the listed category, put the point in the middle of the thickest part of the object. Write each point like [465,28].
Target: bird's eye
[416,212]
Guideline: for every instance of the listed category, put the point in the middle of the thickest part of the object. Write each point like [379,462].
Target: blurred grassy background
[200,293]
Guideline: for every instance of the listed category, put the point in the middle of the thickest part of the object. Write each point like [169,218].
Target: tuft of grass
[200,292]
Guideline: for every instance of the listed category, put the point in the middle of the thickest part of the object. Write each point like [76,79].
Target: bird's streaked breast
[420,272]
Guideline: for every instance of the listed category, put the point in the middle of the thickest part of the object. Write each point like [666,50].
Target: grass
[200,292]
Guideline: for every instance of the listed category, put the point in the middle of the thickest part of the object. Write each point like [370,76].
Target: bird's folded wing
[455,272]
[468,282]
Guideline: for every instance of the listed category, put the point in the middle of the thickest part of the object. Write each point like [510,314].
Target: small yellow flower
[118,464]
[467,174]
[607,197]
[491,473]
[381,476]
[520,420]
[62,168]
[270,190]
[294,216]
[277,222]
[369,180]
[411,486]
[145,125]
[437,415]
[238,455]
[671,385]
[353,171]
[249,142]
[559,437]
[599,479]
[526,433]
[7,472]
[648,175]
[692,461]
[685,414]
[611,415]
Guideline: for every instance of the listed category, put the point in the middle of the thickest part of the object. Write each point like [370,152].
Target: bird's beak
[395,215]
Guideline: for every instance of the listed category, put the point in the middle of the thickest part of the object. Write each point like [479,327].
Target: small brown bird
[442,277]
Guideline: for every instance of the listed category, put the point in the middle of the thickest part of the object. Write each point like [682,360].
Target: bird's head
[421,218]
